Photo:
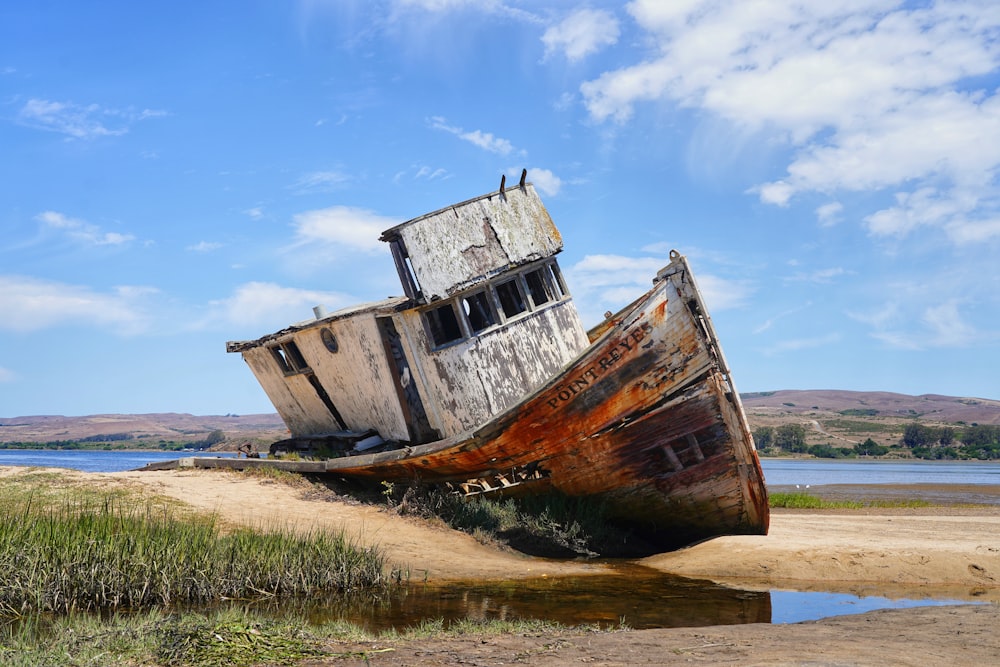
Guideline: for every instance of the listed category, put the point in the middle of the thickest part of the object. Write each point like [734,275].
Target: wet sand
[950,495]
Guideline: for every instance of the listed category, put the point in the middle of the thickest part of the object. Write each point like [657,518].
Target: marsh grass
[229,637]
[808,501]
[552,525]
[276,475]
[83,549]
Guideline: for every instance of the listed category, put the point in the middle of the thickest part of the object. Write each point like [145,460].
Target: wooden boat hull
[646,419]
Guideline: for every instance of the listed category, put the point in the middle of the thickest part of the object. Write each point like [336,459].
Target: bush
[870,448]
[828,452]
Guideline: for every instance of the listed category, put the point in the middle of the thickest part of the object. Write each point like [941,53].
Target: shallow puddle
[636,597]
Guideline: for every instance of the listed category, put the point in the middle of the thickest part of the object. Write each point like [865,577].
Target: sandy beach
[941,551]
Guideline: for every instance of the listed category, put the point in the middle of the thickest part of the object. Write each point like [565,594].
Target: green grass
[807,501]
[859,426]
[551,525]
[224,638]
[73,547]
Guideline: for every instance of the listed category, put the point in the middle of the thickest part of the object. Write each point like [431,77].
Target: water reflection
[637,597]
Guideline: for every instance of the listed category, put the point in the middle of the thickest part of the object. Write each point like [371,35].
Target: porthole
[329,340]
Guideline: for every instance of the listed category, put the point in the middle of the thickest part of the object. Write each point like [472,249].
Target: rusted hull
[646,419]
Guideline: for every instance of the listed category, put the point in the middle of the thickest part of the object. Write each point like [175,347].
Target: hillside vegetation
[825,423]
[841,424]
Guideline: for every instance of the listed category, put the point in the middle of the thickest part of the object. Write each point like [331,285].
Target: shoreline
[941,551]
[952,544]
[952,548]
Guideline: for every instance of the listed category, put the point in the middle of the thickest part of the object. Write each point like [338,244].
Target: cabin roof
[388,305]
[393,232]
[452,249]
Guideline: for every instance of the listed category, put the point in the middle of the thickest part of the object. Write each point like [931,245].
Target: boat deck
[229,463]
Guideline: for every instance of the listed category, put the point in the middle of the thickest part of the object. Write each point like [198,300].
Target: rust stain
[606,427]
[640,411]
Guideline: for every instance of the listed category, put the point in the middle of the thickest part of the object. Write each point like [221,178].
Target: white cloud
[582,33]
[821,276]
[828,215]
[796,344]
[320,181]
[917,326]
[547,183]
[609,282]
[31,304]
[965,215]
[204,246]
[611,270]
[603,283]
[7,375]
[946,327]
[256,212]
[723,294]
[484,140]
[430,174]
[81,231]
[868,95]
[479,7]
[447,5]
[980,231]
[258,304]
[354,229]
[770,322]
[81,121]
[778,193]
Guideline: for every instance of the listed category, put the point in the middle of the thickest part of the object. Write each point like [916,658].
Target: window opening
[404,267]
[279,356]
[511,299]
[557,280]
[539,286]
[295,356]
[479,311]
[443,324]
[289,358]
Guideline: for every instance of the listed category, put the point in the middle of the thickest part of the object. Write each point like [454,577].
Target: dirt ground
[951,551]
[953,636]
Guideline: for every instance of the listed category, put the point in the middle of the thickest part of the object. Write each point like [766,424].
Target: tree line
[959,442]
[118,441]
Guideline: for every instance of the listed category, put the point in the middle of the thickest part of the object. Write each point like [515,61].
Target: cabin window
[279,356]
[296,356]
[511,299]
[557,280]
[540,286]
[479,311]
[443,324]
[404,267]
[289,357]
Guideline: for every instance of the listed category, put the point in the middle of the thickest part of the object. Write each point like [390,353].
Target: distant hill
[927,407]
[170,426]
[763,408]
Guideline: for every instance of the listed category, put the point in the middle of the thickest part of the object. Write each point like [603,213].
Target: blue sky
[174,175]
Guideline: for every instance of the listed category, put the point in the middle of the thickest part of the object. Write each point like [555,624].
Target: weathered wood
[484,380]
[602,428]
[457,246]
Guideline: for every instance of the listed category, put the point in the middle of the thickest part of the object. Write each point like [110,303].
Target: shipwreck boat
[483,378]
